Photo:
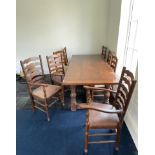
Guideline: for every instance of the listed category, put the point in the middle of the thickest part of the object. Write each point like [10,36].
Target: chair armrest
[37,76]
[91,107]
[38,84]
[103,89]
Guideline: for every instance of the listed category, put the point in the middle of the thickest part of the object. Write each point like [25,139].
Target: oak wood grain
[89,70]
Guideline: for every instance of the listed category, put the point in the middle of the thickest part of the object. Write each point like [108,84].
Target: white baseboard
[132,127]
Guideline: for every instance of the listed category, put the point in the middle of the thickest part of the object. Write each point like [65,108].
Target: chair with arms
[109,116]
[41,94]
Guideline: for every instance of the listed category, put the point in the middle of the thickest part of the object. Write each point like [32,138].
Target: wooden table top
[89,70]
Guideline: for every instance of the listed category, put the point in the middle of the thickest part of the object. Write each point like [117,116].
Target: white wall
[113,24]
[47,25]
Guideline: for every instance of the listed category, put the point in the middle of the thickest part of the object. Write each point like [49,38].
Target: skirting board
[132,127]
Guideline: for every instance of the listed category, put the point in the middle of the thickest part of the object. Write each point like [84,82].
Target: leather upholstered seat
[98,120]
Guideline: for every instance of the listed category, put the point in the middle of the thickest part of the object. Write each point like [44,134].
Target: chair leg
[46,109]
[62,96]
[88,96]
[117,144]
[86,134]
[33,104]
[92,95]
[31,98]
[51,79]
[47,113]
[107,96]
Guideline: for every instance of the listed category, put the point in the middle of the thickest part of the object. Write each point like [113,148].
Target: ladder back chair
[113,63]
[109,116]
[56,68]
[104,52]
[41,94]
[63,54]
[109,57]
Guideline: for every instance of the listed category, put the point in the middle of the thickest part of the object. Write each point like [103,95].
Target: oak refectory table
[88,70]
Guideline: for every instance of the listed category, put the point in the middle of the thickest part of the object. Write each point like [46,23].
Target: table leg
[89,96]
[73,98]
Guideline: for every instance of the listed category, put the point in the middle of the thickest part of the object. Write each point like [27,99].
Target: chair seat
[100,120]
[50,91]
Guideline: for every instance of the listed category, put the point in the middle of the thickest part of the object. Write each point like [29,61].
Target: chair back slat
[37,79]
[29,60]
[122,93]
[32,65]
[33,75]
[121,100]
[119,103]
[123,89]
[32,70]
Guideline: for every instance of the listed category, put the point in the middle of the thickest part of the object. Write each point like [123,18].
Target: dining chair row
[109,57]
[44,95]
[111,60]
